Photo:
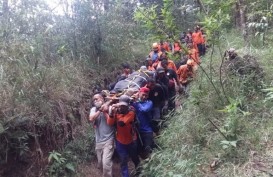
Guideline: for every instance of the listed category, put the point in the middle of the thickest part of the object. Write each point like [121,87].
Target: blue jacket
[144,115]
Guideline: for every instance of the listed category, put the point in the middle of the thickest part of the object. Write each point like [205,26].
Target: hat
[124,100]
[144,90]
[160,70]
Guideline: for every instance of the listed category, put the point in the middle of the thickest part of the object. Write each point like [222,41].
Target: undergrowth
[212,136]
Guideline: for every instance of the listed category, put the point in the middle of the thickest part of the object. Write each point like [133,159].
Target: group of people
[125,125]
[128,123]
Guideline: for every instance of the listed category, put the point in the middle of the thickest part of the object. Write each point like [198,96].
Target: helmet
[155,46]
[190,62]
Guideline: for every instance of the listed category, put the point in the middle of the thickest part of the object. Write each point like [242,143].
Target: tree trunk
[200,4]
[242,12]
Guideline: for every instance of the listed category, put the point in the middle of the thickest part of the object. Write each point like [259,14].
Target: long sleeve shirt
[144,115]
[124,134]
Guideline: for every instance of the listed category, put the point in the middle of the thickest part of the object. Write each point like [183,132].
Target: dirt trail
[91,170]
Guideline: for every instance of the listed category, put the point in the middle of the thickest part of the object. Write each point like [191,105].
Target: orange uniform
[171,65]
[197,37]
[125,134]
[193,54]
[183,73]
[164,46]
[177,47]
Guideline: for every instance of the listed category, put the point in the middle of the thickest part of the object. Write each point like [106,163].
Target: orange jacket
[183,73]
[125,134]
[193,54]
[197,37]
[165,46]
[171,65]
[177,47]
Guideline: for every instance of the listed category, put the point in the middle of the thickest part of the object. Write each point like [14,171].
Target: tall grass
[41,107]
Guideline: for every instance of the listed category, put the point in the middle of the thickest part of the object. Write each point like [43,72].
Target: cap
[124,100]
[160,70]
[144,90]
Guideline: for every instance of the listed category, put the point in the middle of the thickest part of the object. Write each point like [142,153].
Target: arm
[111,117]
[130,116]
[145,107]
[94,114]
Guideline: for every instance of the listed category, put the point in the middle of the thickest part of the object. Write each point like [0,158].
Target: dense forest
[53,55]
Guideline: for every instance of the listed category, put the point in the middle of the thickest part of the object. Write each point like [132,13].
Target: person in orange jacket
[185,72]
[164,46]
[155,53]
[177,47]
[193,54]
[197,39]
[123,116]
[171,64]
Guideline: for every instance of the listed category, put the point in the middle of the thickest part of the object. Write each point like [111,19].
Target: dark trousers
[124,151]
[147,144]
[200,49]
[156,112]
[171,100]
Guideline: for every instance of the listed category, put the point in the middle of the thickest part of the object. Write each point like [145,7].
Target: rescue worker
[173,83]
[158,95]
[193,53]
[170,65]
[185,74]
[143,108]
[197,40]
[123,116]
[104,134]
[155,53]
[177,49]
[164,46]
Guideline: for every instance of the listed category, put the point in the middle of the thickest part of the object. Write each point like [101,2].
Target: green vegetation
[207,136]
[49,64]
